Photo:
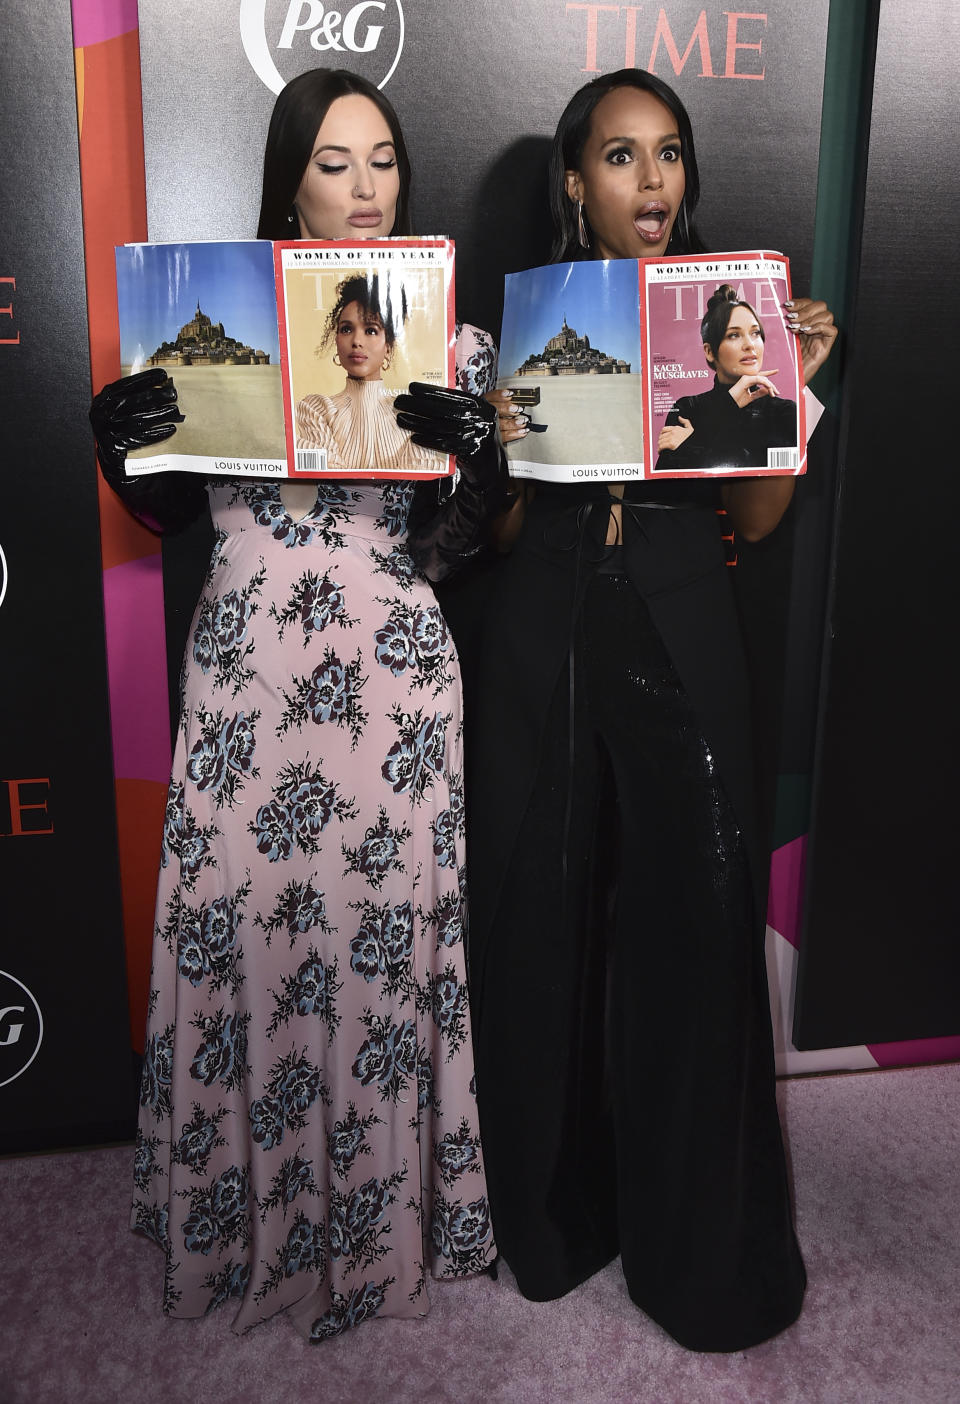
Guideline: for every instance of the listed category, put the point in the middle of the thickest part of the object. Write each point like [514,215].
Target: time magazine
[287,357]
[722,378]
[608,360]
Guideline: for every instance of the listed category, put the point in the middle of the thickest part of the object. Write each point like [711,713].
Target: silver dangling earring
[581,227]
[292,217]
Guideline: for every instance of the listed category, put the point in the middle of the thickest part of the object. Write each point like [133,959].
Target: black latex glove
[454,421]
[136,412]
[132,413]
[444,529]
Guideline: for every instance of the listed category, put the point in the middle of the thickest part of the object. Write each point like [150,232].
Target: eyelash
[673,152]
[387,165]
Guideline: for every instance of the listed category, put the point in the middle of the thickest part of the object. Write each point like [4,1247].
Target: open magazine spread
[287,357]
[608,359]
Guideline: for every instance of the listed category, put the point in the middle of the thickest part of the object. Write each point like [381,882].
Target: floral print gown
[308,1131]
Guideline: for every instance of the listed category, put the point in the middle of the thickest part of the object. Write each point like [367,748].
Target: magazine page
[358,322]
[722,377]
[206,313]
[570,351]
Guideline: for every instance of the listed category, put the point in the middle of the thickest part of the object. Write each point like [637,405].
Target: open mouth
[651,223]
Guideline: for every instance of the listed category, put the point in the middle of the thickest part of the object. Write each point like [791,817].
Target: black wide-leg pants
[625,1064]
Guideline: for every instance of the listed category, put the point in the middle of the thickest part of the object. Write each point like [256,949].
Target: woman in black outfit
[743,416]
[624,1053]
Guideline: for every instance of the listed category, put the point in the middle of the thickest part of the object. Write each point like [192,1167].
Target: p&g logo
[21,1028]
[366,36]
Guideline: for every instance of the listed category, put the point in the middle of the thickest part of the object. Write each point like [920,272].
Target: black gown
[624,1050]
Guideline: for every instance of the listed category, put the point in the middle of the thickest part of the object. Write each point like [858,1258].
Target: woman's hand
[752,387]
[130,413]
[454,421]
[673,435]
[511,418]
[812,322]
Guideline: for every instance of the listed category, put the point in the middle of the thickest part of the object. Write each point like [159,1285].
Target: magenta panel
[97,20]
[133,596]
[915,1050]
[784,900]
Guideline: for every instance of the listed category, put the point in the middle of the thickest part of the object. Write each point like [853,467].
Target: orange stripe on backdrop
[114,212]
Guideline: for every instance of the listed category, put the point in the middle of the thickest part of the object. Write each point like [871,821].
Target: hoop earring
[336,359]
[385,364]
[680,233]
[581,227]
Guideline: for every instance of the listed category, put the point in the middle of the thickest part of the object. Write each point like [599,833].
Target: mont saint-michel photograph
[206,313]
[570,348]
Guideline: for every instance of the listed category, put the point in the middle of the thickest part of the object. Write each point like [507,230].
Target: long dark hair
[297,116]
[572,133]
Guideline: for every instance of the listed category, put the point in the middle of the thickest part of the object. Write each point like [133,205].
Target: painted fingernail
[788,303]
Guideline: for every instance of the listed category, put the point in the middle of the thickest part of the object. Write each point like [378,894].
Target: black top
[726,435]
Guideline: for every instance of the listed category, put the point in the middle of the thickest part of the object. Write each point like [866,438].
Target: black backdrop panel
[479,88]
[64,1045]
[880,960]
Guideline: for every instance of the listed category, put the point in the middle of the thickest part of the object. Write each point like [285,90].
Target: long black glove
[442,534]
[134,412]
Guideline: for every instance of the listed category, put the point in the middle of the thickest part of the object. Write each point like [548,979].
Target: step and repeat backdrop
[479,89]
[65,1059]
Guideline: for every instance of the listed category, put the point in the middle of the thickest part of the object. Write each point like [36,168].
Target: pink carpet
[876,1162]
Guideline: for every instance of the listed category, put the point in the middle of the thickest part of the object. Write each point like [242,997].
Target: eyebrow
[346,150]
[629,141]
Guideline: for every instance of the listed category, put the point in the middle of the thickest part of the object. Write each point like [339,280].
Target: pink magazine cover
[358,322]
[734,406]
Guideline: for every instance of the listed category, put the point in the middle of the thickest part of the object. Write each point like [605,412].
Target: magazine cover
[570,351]
[358,322]
[722,377]
[207,314]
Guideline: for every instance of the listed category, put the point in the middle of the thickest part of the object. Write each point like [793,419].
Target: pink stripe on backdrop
[915,1050]
[784,899]
[136,656]
[97,20]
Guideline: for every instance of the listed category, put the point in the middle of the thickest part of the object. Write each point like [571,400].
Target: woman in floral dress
[308,1134]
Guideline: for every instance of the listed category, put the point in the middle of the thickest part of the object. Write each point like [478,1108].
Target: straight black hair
[572,133]
[297,116]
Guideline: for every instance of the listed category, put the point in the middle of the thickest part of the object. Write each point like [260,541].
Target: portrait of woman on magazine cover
[744,415]
[357,426]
